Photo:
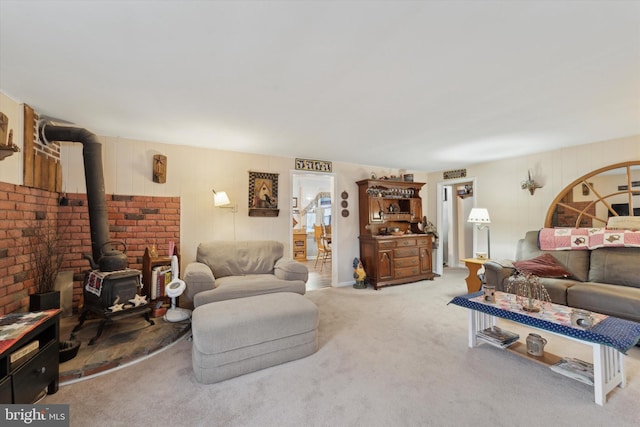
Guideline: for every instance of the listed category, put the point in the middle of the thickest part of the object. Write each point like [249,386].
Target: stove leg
[100,329]
[148,319]
[83,317]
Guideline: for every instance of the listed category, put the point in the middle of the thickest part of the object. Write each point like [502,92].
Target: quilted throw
[562,239]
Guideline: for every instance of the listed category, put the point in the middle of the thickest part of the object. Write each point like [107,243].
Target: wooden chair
[324,246]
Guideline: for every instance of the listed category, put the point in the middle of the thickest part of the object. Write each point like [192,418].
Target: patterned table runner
[617,333]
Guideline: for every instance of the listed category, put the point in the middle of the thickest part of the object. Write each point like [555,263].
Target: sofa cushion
[233,287]
[252,320]
[288,269]
[239,336]
[544,265]
[557,288]
[623,223]
[618,301]
[576,262]
[618,266]
[234,258]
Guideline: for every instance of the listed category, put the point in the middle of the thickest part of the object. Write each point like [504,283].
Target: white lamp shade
[220,198]
[479,216]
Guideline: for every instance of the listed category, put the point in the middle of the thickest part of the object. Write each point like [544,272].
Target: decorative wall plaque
[458,173]
[159,168]
[263,194]
[313,165]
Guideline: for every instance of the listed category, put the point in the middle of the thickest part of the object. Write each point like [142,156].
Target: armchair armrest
[288,269]
[198,278]
[496,272]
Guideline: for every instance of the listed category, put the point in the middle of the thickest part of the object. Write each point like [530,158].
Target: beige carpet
[394,357]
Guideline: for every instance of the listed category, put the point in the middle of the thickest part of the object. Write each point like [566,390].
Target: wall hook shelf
[530,184]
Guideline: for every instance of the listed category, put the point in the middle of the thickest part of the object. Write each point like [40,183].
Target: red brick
[17,207]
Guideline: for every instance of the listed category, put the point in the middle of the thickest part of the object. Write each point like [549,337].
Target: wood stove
[112,296]
[110,289]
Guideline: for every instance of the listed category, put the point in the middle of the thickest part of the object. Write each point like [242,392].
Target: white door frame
[452,182]
[334,218]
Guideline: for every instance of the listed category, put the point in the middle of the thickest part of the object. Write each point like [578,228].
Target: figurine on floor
[359,274]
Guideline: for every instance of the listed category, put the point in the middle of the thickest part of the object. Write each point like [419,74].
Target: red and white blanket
[562,239]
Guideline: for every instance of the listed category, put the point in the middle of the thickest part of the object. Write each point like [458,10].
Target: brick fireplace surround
[137,220]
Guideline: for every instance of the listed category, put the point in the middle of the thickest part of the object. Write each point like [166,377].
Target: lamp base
[177,314]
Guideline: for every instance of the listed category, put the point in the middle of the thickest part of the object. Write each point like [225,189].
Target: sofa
[604,280]
[226,270]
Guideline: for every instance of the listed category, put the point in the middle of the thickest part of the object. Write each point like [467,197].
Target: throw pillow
[544,265]
[623,223]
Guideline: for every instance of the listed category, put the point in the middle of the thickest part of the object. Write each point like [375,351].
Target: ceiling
[418,85]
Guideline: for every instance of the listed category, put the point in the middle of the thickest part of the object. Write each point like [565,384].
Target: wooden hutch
[392,248]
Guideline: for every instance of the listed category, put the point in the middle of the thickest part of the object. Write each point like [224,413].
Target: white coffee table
[608,355]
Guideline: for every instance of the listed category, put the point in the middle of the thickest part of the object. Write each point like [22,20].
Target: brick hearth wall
[137,220]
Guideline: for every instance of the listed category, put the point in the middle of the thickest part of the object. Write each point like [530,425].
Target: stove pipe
[94,178]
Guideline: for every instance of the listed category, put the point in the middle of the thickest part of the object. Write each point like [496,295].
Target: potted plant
[47,253]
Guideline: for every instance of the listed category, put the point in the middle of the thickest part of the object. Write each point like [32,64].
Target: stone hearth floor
[121,342]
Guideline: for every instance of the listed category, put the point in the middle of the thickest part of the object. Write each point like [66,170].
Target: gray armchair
[236,269]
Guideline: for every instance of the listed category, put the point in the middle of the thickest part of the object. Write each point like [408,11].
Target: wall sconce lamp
[221,200]
[480,217]
[530,184]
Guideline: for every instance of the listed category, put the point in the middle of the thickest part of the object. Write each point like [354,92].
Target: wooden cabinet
[393,260]
[23,379]
[300,245]
[393,257]
[148,263]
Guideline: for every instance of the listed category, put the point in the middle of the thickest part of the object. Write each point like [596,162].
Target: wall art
[313,165]
[263,194]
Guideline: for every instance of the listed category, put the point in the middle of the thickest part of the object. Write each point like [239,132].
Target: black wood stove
[111,288]
[112,296]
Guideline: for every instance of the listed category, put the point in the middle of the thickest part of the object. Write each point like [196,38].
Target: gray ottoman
[238,336]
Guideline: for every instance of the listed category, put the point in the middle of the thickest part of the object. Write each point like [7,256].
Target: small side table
[23,379]
[473,281]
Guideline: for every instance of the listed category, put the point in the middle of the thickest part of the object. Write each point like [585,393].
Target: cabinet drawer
[406,242]
[423,241]
[35,375]
[407,262]
[399,273]
[385,244]
[405,252]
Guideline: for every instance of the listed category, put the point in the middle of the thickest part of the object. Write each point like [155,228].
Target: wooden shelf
[148,263]
[300,245]
[547,359]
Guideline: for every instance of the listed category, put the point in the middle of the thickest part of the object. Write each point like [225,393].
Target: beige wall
[11,167]
[514,211]
[194,172]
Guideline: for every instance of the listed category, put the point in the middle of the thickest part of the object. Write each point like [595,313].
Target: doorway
[313,206]
[455,199]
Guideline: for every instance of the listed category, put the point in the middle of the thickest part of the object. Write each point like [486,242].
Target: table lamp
[480,217]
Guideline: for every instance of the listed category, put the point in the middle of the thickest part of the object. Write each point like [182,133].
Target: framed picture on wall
[263,194]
